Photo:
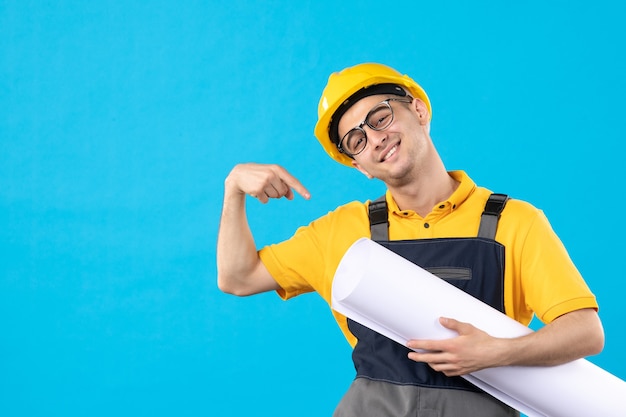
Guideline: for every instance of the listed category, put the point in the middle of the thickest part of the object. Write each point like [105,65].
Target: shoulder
[344,216]
[514,208]
[517,219]
[520,209]
[521,222]
[347,220]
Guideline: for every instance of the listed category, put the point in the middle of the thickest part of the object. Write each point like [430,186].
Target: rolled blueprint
[396,298]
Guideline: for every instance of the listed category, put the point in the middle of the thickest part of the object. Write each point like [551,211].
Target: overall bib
[474,265]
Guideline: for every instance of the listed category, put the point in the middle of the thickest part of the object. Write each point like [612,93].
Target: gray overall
[388,384]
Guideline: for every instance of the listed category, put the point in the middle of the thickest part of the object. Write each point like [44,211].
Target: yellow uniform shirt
[539,276]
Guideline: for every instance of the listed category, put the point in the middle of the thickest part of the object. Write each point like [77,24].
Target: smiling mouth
[391,151]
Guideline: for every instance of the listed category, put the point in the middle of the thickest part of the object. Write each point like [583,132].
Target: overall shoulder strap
[489,219]
[379,220]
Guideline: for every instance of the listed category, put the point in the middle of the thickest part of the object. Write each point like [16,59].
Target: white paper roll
[396,298]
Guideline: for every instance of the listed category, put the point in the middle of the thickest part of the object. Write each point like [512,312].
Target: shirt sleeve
[308,260]
[552,284]
[286,262]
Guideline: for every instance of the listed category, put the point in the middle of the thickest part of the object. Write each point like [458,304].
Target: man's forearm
[572,336]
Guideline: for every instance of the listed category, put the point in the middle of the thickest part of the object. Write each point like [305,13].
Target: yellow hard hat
[346,87]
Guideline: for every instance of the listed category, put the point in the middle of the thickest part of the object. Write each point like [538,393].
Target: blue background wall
[119,121]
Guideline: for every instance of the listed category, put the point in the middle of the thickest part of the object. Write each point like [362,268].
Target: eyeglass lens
[378,118]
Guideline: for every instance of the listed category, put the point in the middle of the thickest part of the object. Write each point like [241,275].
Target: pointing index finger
[293,182]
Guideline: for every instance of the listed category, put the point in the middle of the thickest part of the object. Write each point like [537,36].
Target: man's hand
[264,182]
[470,351]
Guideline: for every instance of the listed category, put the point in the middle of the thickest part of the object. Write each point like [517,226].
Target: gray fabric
[379,231]
[488,226]
[379,219]
[489,219]
[367,398]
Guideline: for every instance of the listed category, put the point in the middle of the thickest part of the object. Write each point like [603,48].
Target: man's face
[390,154]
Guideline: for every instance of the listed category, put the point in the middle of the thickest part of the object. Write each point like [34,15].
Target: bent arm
[572,336]
[239,268]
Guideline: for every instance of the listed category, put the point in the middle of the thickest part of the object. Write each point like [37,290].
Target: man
[376,120]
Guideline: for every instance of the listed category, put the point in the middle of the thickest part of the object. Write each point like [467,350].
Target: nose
[376,137]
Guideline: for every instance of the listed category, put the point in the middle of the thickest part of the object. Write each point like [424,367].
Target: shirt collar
[464,190]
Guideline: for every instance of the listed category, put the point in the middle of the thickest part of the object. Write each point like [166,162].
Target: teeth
[391,152]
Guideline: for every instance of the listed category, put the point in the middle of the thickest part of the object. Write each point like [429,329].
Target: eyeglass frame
[407,99]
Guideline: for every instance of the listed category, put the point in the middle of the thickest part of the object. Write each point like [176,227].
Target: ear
[361,170]
[422,111]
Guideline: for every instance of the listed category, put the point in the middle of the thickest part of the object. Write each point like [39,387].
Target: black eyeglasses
[379,118]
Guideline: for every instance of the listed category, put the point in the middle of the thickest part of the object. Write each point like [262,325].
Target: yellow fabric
[540,277]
